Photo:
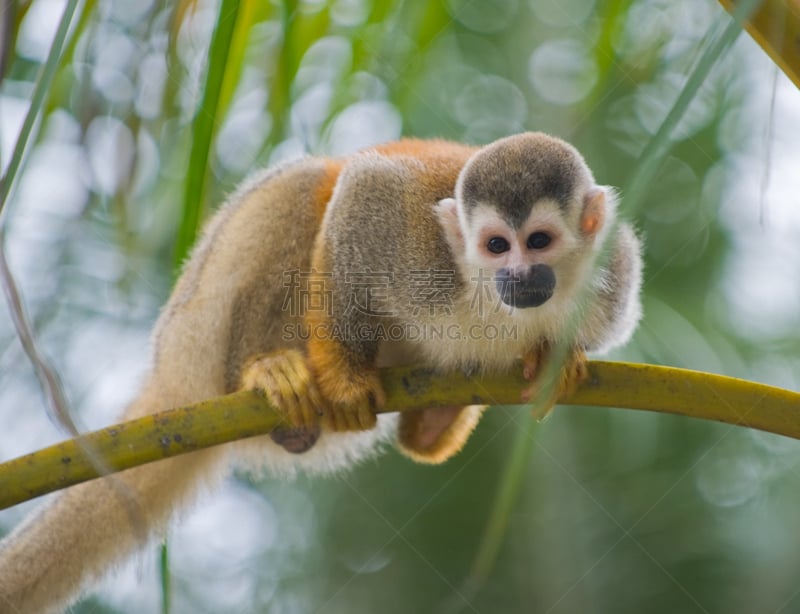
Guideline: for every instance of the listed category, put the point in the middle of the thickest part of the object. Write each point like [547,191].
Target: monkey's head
[528,212]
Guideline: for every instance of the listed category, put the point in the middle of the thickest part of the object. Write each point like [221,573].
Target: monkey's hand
[572,373]
[286,380]
[353,397]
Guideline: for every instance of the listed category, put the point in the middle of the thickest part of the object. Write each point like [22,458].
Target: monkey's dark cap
[516,172]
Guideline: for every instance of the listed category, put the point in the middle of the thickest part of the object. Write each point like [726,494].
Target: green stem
[40,92]
[658,147]
[204,129]
[166,583]
[504,501]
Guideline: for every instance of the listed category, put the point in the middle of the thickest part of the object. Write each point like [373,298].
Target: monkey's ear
[447,212]
[594,211]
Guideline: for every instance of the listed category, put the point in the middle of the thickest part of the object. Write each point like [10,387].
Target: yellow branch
[246,414]
[775,25]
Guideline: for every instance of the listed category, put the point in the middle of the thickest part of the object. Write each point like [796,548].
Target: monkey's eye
[497,245]
[538,240]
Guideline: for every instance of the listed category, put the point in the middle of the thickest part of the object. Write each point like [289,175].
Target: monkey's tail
[48,560]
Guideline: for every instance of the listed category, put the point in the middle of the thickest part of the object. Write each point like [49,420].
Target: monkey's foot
[572,373]
[284,377]
[352,401]
[433,435]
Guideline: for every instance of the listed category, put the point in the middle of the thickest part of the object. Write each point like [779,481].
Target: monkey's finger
[266,383]
[531,362]
[307,398]
[315,400]
[288,397]
[365,417]
[335,418]
[575,372]
[351,417]
[279,375]
[314,404]
[326,420]
[295,366]
[307,408]
[573,378]
[329,420]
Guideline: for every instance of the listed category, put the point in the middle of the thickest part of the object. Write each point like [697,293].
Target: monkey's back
[243,286]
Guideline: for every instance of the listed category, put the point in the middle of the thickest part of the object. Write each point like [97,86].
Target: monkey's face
[523,261]
[533,258]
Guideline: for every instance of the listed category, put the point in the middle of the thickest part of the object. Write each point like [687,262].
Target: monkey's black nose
[529,288]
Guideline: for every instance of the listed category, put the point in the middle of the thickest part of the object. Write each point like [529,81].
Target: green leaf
[204,128]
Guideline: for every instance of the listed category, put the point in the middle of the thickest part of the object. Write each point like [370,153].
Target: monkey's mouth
[530,288]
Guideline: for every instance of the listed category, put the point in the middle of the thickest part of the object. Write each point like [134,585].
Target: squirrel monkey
[317,273]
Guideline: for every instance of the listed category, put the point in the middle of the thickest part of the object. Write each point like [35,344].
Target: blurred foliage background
[159,109]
